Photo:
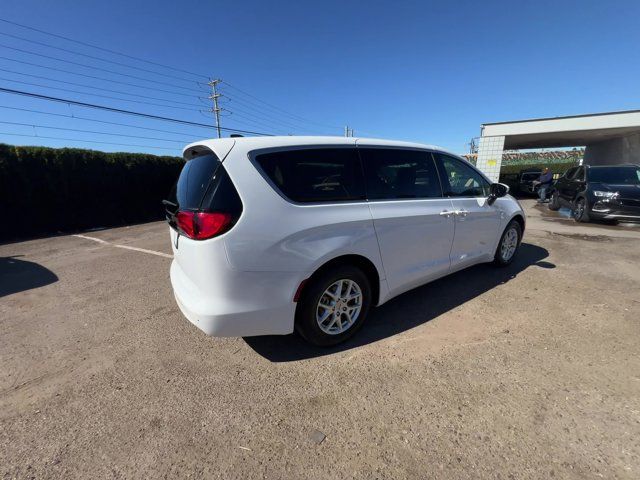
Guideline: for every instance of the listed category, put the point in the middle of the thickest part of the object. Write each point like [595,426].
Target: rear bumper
[251,303]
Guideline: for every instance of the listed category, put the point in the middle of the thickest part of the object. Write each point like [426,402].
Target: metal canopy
[569,131]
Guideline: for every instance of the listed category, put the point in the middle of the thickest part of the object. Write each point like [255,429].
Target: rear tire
[509,244]
[554,201]
[580,211]
[333,306]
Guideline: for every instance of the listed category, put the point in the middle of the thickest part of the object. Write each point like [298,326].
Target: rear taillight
[203,225]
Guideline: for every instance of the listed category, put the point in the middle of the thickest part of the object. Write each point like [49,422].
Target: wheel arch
[359,261]
[520,219]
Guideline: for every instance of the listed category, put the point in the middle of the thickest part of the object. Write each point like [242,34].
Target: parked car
[273,234]
[607,192]
[526,178]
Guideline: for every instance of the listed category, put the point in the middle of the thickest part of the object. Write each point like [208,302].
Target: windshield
[615,175]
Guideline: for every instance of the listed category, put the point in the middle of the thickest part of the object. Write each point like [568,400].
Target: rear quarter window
[315,175]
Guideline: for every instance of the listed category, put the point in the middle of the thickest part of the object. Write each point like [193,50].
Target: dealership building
[609,138]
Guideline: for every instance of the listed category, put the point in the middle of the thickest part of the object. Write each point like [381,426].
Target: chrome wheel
[509,244]
[339,307]
[579,210]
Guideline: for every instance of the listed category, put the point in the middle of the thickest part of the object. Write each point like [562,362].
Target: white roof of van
[222,146]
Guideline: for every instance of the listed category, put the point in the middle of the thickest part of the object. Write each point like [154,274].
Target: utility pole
[214,96]
[348,132]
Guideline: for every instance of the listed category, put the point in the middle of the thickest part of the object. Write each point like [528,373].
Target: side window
[459,179]
[315,175]
[392,173]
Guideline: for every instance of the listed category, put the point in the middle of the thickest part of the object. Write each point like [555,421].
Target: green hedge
[509,173]
[555,167]
[46,190]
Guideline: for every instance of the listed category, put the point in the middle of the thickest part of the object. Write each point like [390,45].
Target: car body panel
[475,231]
[414,239]
[231,303]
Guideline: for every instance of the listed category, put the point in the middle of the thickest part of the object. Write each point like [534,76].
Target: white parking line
[91,238]
[126,247]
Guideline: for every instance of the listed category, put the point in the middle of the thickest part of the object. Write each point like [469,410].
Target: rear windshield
[194,181]
[615,175]
[204,184]
[315,175]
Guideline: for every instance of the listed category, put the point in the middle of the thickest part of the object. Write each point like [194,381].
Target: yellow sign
[492,163]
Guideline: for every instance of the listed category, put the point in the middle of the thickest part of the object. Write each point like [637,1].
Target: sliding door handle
[446,213]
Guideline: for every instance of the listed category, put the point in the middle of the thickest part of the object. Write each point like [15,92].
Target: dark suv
[526,178]
[607,192]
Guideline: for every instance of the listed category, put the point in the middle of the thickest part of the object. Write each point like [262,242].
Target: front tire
[509,244]
[581,211]
[333,306]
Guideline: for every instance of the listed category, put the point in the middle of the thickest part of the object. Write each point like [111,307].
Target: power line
[119,110]
[270,119]
[88,141]
[258,120]
[100,48]
[262,114]
[92,76]
[230,116]
[57,59]
[84,85]
[267,115]
[251,121]
[98,95]
[96,58]
[198,75]
[92,131]
[86,119]
[275,107]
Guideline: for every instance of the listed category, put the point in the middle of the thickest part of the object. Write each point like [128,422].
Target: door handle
[446,213]
[462,213]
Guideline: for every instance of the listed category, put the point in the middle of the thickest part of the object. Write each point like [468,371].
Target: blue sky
[423,71]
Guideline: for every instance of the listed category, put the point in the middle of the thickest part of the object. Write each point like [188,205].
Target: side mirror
[497,190]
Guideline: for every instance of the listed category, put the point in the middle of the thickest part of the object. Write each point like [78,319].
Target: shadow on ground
[408,310]
[19,275]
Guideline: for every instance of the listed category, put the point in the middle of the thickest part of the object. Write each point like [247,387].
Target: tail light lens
[203,225]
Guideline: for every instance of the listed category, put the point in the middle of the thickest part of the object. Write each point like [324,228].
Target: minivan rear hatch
[204,202]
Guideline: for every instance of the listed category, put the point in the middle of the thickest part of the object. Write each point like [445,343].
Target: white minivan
[272,234]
